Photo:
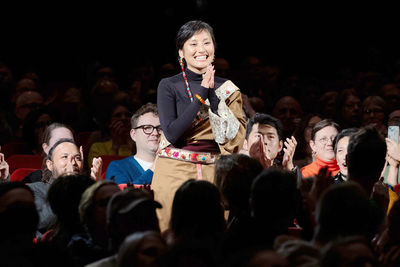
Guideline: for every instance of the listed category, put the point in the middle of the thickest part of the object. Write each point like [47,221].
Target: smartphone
[393,133]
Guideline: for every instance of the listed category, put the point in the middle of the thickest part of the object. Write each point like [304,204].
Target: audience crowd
[316,182]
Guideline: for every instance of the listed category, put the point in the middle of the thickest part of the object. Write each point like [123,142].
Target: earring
[181,63]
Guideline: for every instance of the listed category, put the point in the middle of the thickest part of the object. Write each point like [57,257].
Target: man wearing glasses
[145,132]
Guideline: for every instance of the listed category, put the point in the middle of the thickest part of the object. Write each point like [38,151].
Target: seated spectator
[141,249]
[197,213]
[64,196]
[303,154]
[344,210]
[64,158]
[234,175]
[365,158]
[50,136]
[92,210]
[6,86]
[118,141]
[298,252]
[374,113]
[33,129]
[322,141]
[196,226]
[274,200]
[391,95]
[92,245]
[348,109]
[264,141]
[267,258]
[23,85]
[18,214]
[341,143]
[391,170]
[288,110]
[25,103]
[386,244]
[348,251]
[327,104]
[145,132]
[18,222]
[128,212]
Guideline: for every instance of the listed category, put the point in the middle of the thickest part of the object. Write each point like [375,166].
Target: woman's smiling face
[341,152]
[198,51]
[322,144]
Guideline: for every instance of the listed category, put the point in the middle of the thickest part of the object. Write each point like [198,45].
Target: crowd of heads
[254,214]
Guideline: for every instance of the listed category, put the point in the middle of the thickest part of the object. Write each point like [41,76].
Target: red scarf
[314,167]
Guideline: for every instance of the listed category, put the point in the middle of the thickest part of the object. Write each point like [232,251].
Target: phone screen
[393,133]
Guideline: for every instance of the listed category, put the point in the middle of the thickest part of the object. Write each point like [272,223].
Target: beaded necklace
[185,78]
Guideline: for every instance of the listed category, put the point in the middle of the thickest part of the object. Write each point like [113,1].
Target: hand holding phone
[393,133]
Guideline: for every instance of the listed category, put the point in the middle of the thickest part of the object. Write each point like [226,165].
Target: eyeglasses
[324,140]
[375,111]
[148,129]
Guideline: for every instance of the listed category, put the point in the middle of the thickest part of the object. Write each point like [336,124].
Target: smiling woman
[322,144]
[200,115]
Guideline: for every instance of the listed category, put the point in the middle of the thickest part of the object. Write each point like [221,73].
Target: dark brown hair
[322,124]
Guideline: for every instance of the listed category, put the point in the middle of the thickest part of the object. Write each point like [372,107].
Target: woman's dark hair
[65,194]
[234,175]
[197,211]
[345,132]
[191,28]
[343,210]
[322,124]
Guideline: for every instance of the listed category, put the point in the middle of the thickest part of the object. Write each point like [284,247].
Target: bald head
[26,102]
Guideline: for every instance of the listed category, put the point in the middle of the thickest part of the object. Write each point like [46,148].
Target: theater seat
[123,186]
[13,148]
[106,161]
[25,161]
[20,173]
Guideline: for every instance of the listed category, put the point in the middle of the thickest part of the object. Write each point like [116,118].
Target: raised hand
[380,193]
[4,168]
[393,149]
[119,134]
[258,151]
[208,78]
[289,149]
[95,171]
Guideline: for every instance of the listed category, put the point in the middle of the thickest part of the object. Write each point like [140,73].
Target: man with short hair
[145,131]
[365,158]
[264,141]
[64,158]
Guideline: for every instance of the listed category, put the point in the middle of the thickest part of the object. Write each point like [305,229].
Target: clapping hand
[290,148]
[208,78]
[258,151]
[393,149]
[95,171]
[4,168]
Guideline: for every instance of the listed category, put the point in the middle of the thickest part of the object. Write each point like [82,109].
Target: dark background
[60,41]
